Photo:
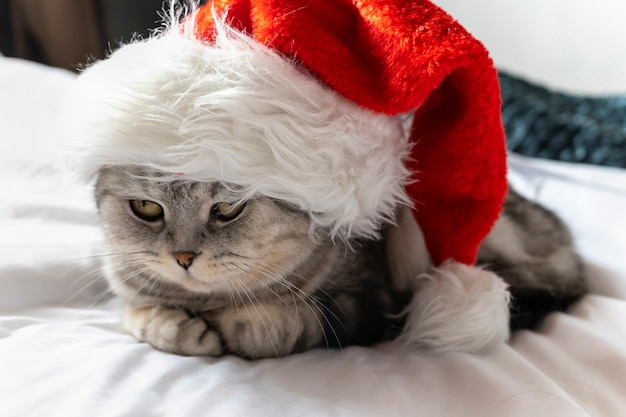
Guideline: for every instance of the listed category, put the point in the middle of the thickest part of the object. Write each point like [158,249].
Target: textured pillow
[547,124]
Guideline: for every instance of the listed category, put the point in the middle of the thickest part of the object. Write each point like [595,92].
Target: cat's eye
[146,210]
[227,211]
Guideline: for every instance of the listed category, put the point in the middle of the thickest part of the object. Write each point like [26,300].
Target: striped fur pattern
[256,283]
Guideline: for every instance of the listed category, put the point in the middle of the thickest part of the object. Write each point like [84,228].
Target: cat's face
[193,236]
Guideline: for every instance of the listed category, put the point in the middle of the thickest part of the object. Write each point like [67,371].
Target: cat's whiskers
[271,290]
[243,282]
[122,280]
[94,275]
[118,266]
[151,279]
[232,284]
[231,291]
[307,299]
[95,298]
[239,255]
[281,279]
[108,254]
[314,306]
[106,291]
[316,287]
[103,257]
[258,281]
[312,302]
[254,301]
[95,270]
[125,277]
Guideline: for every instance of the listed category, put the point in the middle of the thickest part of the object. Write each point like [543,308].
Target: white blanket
[62,352]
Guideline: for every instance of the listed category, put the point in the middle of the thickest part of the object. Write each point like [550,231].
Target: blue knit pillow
[547,124]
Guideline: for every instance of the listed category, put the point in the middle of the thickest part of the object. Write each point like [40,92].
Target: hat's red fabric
[396,57]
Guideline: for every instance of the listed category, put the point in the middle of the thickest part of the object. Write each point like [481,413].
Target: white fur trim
[458,308]
[240,113]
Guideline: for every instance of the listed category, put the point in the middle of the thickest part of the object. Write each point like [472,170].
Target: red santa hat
[347,108]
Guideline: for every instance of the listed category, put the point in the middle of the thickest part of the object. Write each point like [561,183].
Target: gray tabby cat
[204,274]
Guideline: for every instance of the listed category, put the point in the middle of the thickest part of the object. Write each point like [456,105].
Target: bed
[63,353]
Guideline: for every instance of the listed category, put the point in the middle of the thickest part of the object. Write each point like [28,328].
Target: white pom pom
[458,307]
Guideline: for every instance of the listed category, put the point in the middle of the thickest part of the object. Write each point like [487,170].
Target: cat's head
[194,236]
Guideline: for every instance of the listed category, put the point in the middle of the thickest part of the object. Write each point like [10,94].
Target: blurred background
[562,63]
[562,70]
[68,33]
[577,46]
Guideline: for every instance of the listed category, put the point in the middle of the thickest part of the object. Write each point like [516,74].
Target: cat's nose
[184,259]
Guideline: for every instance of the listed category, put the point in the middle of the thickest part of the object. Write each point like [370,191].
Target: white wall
[573,45]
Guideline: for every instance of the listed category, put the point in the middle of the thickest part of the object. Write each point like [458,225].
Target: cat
[202,273]
[532,249]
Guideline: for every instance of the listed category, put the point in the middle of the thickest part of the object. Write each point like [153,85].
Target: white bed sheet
[62,352]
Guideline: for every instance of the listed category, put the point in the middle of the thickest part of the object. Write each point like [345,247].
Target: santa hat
[347,108]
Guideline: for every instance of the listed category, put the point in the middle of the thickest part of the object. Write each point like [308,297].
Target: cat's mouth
[214,275]
[206,283]
[194,284]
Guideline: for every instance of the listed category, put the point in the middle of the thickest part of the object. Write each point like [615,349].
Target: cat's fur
[532,249]
[260,285]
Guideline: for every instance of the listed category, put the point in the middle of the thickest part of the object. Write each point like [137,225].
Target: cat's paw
[270,330]
[173,330]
